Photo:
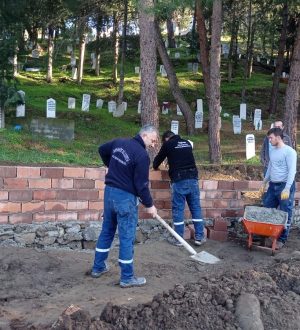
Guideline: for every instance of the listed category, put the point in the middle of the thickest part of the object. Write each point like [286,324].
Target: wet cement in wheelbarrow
[37,286]
[263,214]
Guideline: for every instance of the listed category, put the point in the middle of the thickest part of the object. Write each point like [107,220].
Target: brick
[236,203]
[210,185]
[241,185]
[3,195]
[212,213]
[94,173]
[187,233]
[8,172]
[3,219]
[220,224]
[229,213]
[15,183]
[39,183]
[28,172]
[33,207]
[213,194]
[160,185]
[89,216]
[217,235]
[1,183]
[207,203]
[159,204]
[165,175]
[161,194]
[20,195]
[84,184]
[9,207]
[200,184]
[44,217]
[167,204]
[229,194]
[96,205]
[155,175]
[255,185]
[66,194]
[87,194]
[50,172]
[99,184]
[225,185]
[44,195]
[202,194]
[297,186]
[55,206]
[20,218]
[221,203]
[67,216]
[62,183]
[74,172]
[78,205]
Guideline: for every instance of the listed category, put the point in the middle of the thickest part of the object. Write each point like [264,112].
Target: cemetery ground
[38,285]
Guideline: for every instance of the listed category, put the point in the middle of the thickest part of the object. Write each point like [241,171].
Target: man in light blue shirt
[281,178]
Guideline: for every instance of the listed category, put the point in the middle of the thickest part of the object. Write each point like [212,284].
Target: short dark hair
[276,131]
[167,135]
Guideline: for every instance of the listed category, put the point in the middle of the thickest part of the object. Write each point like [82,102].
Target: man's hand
[285,194]
[262,189]
[152,210]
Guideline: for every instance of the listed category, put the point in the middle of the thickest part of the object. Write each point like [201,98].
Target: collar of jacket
[139,139]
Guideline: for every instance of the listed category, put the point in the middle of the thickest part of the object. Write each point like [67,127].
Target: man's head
[167,135]
[275,136]
[149,134]
[278,124]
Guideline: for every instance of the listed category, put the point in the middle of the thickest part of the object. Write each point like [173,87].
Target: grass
[97,126]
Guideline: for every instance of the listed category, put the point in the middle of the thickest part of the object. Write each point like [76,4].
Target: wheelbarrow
[260,221]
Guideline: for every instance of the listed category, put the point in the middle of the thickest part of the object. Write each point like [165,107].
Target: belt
[277,183]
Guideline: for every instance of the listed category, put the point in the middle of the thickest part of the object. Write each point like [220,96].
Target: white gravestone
[195,67]
[175,126]
[190,66]
[257,116]
[237,125]
[137,70]
[124,105]
[163,72]
[51,108]
[74,73]
[198,119]
[243,111]
[165,108]
[119,111]
[283,74]
[177,55]
[94,62]
[258,125]
[178,111]
[35,53]
[99,103]
[250,146]
[200,105]
[86,99]
[20,110]
[112,106]
[71,103]
[139,106]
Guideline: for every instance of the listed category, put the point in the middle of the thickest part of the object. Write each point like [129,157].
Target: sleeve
[160,157]
[291,160]
[141,180]
[105,152]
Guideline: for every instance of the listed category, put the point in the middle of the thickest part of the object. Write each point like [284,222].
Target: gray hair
[148,129]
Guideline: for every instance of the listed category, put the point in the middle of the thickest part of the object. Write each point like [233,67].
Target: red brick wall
[36,194]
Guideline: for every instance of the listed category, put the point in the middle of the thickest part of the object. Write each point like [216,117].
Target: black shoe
[97,274]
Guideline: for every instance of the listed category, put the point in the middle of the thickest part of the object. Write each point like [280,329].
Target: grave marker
[20,110]
[258,125]
[71,103]
[178,111]
[195,67]
[139,106]
[165,108]
[243,111]
[237,125]
[119,111]
[137,70]
[35,53]
[175,126]
[200,105]
[51,108]
[250,146]
[198,119]
[69,49]
[190,66]
[177,55]
[86,99]
[124,105]
[257,116]
[74,73]
[73,61]
[163,72]
[112,106]
[99,103]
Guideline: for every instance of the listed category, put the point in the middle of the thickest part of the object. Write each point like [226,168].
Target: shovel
[202,256]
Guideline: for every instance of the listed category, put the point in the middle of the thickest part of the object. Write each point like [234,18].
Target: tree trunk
[292,93]
[82,44]
[150,109]
[215,82]
[97,55]
[250,59]
[115,39]
[173,81]
[279,63]
[50,54]
[124,36]
[232,41]
[204,49]
[2,117]
[171,36]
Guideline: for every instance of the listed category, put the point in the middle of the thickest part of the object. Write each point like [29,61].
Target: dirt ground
[37,286]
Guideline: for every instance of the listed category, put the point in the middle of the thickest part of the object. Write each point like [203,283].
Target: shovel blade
[205,257]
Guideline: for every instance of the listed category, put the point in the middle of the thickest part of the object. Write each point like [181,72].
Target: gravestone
[257,116]
[93,55]
[178,111]
[71,103]
[99,103]
[51,108]
[237,125]
[258,125]
[257,58]
[250,146]
[119,111]
[165,108]
[137,70]
[139,106]
[283,74]
[32,69]
[198,119]
[62,129]
[86,99]
[175,126]
[69,49]
[195,67]
[243,111]
[74,73]
[20,110]
[163,72]
[200,105]
[124,105]
[160,68]
[177,55]
[190,66]
[35,53]
[112,106]
[226,115]
[73,61]
[94,62]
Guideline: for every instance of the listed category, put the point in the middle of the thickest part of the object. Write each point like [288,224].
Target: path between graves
[37,286]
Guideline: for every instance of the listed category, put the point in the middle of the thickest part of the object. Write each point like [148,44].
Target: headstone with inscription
[175,126]
[112,106]
[250,146]
[137,70]
[257,116]
[198,119]
[237,124]
[51,108]
[86,99]
[243,111]
[71,103]
[99,103]
[20,110]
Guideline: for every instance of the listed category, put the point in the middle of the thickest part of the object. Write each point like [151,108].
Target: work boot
[199,242]
[135,281]
[98,273]
[173,241]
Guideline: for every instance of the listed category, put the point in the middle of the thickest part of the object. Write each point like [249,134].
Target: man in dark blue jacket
[184,179]
[127,180]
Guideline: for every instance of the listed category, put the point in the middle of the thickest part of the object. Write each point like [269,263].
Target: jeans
[120,210]
[272,199]
[187,190]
